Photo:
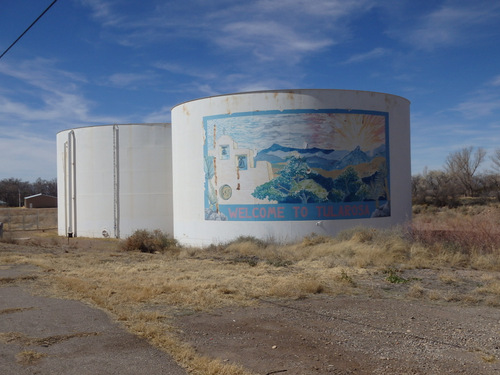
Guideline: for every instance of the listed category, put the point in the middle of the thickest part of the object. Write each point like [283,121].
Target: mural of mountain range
[379,151]
[354,157]
[319,158]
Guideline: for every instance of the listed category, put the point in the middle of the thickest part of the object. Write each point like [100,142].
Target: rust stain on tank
[185,110]
[388,101]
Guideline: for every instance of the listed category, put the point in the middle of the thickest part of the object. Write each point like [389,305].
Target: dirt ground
[350,335]
[366,333]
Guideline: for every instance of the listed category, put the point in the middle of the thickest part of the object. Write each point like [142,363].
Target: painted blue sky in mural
[296,164]
[330,131]
[92,62]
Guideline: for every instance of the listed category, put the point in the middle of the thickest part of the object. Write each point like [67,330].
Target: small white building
[237,174]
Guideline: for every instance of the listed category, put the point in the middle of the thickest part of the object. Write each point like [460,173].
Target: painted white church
[237,174]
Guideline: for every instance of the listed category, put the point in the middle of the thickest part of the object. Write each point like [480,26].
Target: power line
[25,31]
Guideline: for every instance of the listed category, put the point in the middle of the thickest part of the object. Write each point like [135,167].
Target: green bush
[150,242]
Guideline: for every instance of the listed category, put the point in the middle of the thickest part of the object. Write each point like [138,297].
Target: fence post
[1,230]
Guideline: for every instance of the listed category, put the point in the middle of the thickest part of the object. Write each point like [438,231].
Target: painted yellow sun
[353,130]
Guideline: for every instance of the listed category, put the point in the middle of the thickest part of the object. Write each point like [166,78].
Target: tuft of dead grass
[490,289]
[416,291]
[449,277]
[298,288]
[29,357]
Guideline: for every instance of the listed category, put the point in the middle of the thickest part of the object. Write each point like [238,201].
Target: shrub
[8,239]
[149,242]
[248,239]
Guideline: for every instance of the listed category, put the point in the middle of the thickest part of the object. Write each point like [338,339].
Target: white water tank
[114,179]
[284,164]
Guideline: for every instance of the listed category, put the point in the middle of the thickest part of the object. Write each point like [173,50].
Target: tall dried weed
[150,242]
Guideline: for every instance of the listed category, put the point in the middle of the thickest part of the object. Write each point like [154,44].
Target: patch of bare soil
[350,335]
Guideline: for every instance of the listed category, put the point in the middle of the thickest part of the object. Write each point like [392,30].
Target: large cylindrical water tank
[284,164]
[114,179]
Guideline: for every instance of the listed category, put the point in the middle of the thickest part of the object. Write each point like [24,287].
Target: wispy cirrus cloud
[452,24]
[27,152]
[485,101]
[51,94]
[332,9]
[495,81]
[373,54]
[270,30]
[483,105]
[188,70]
[131,80]
[269,40]
[159,116]
[102,10]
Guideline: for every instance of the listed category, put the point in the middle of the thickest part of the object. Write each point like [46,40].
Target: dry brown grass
[29,357]
[145,292]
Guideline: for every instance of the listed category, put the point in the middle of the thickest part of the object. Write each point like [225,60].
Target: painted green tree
[348,187]
[295,183]
[209,174]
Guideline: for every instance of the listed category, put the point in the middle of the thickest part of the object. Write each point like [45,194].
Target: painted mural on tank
[296,165]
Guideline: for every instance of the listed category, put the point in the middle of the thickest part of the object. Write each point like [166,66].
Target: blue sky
[92,62]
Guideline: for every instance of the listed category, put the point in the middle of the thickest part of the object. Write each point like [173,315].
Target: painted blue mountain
[315,157]
[379,151]
[354,157]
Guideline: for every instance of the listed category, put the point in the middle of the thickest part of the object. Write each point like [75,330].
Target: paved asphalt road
[40,335]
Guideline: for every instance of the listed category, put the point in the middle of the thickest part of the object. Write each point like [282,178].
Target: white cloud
[129,79]
[284,30]
[373,54]
[192,71]
[50,94]
[102,11]
[325,8]
[452,24]
[482,102]
[495,81]
[43,74]
[478,107]
[270,40]
[160,116]
[24,153]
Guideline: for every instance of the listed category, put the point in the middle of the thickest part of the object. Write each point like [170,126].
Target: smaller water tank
[114,179]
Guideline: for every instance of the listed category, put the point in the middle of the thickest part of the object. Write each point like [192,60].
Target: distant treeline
[13,190]
[461,180]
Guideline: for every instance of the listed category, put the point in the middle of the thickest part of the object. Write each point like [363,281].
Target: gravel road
[351,335]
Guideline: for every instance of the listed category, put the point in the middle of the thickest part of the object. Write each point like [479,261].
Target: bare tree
[463,165]
[13,190]
[496,159]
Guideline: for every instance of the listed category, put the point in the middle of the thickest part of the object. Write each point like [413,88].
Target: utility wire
[25,31]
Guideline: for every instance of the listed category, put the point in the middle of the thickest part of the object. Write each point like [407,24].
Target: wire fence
[22,219]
